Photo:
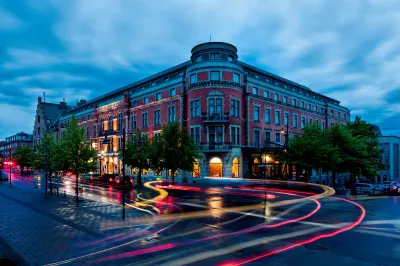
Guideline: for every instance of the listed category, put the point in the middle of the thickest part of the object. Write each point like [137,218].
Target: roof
[135,84]
[282,79]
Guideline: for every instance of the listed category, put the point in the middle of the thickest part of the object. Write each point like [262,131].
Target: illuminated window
[196,170]
[235,167]
[216,167]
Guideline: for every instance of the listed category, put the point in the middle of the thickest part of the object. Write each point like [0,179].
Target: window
[171,113]
[158,96]
[256,113]
[133,122]
[120,121]
[267,137]
[157,133]
[267,115]
[266,94]
[215,75]
[198,58]
[310,120]
[215,134]
[309,107]
[338,114]
[235,135]
[331,112]
[303,122]
[277,117]
[257,76]
[144,120]
[256,138]
[166,78]
[278,137]
[345,116]
[322,110]
[315,108]
[235,108]
[180,74]
[94,131]
[302,104]
[276,97]
[48,121]
[110,123]
[255,90]
[294,102]
[157,117]
[134,103]
[286,119]
[195,134]
[172,92]
[323,125]
[236,78]
[214,56]
[87,132]
[193,78]
[316,121]
[195,108]
[215,105]
[153,84]
[38,118]
[230,58]
[285,99]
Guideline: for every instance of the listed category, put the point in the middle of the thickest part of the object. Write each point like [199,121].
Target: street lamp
[286,145]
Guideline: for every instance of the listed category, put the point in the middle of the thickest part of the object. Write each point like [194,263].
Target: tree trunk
[139,177]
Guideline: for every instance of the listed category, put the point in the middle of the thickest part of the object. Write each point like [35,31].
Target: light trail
[112,248]
[166,247]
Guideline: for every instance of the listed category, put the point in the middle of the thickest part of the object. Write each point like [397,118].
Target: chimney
[81,102]
[39,99]
[63,105]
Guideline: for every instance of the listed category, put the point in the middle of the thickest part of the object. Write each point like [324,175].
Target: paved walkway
[37,231]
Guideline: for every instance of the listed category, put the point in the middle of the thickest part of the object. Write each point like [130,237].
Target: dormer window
[230,58]
[153,83]
[198,59]
[145,100]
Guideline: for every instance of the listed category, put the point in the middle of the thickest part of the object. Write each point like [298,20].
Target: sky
[348,50]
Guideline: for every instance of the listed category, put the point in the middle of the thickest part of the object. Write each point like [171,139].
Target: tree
[73,153]
[174,150]
[310,150]
[23,156]
[137,153]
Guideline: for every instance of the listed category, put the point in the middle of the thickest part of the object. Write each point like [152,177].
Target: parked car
[391,186]
[4,176]
[379,187]
[129,182]
[90,177]
[109,178]
[366,189]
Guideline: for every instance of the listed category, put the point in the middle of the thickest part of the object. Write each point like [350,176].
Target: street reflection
[215,204]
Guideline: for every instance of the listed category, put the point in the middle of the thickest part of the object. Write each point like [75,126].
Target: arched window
[235,167]
[216,167]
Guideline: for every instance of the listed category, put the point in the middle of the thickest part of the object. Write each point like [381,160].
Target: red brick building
[230,108]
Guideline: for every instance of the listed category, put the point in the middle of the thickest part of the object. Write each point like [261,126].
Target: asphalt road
[193,228]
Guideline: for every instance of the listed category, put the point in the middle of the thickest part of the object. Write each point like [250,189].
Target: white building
[390,157]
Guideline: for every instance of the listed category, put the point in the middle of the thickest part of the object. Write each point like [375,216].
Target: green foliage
[73,152]
[23,156]
[39,157]
[174,150]
[351,148]
[137,153]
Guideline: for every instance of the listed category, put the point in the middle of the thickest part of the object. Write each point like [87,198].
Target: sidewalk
[37,231]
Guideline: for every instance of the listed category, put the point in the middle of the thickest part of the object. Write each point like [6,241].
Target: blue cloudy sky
[349,50]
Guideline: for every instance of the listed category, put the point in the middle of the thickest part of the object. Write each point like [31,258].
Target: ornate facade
[230,108]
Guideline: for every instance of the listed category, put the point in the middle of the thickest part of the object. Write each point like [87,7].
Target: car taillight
[117,181]
[110,179]
[91,177]
[394,188]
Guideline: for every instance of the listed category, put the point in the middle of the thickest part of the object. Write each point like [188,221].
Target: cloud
[8,21]
[348,50]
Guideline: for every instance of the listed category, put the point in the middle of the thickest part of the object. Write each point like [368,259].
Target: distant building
[13,142]
[2,153]
[390,157]
[47,114]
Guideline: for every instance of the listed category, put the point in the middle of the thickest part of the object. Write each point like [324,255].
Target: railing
[213,118]
[211,83]
[215,146]
[109,132]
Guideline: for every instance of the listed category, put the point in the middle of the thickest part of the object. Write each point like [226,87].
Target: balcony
[215,147]
[216,118]
[103,133]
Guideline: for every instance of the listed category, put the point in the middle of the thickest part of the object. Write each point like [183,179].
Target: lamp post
[46,171]
[286,145]
[123,173]
[10,164]
[101,161]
